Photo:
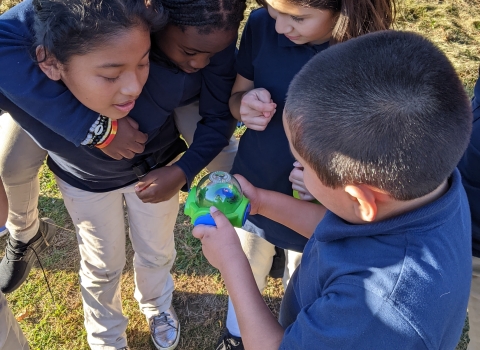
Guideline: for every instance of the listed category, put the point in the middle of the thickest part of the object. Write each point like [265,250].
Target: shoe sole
[173,346]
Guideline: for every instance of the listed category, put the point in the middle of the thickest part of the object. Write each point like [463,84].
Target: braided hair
[206,15]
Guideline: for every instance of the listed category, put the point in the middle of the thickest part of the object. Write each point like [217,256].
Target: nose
[282,26]
[200,62]
[133,85]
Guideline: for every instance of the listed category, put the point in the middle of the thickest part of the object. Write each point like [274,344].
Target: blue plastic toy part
[205,220]
[247,212]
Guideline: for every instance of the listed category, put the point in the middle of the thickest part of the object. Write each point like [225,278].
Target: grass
[200,296]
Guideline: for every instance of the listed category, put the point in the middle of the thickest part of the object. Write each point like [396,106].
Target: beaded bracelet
[110,137]
[99,132]
[96,131]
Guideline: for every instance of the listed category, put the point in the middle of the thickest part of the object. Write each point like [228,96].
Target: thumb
[219,218]
[144,183]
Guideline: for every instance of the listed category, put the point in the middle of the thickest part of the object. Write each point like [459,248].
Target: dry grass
[200,296]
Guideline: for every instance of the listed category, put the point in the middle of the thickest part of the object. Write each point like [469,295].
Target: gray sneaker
[165,330]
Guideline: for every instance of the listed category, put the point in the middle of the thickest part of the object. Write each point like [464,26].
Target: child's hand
[128,141]
[160,184]
[257,109]
[220,244]
[296,178]
[251,192]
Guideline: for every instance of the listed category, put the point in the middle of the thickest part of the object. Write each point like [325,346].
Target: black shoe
[19,257]
[278,264]
[229,342]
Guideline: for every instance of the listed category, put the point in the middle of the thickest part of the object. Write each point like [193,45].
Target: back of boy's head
[76,27]
[386,109]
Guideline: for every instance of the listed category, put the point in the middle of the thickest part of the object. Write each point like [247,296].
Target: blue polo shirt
[469,167]
[59,122]
[271,61]
[402,283]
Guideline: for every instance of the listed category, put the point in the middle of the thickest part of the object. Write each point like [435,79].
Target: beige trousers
[474,307]
[100,226]
[20,161]
[11,335]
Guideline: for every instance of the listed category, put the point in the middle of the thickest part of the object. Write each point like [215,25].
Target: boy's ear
[48,63]
[365,204]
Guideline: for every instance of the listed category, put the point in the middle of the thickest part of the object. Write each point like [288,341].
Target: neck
[396,208]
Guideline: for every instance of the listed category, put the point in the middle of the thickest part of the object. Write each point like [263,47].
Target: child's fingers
[199,231]
[259,106]
[220,219]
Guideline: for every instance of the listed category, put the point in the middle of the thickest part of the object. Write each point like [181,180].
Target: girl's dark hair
[75,27]
[355,17]
[206,15]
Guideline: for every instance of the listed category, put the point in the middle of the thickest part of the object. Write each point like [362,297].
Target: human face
[302,25]
[109,79]
[190,50]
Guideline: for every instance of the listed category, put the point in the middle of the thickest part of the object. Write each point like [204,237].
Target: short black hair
[206,15]
[386,109]
[76,27]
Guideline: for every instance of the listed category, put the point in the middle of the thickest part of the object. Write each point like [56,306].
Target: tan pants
[20,161]
[474,307]
[11,335]
[260,255]
[186,119]
[100,226]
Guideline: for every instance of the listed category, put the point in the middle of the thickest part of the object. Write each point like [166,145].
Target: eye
[189,53]
[110,80]
[143,65]
[297,19]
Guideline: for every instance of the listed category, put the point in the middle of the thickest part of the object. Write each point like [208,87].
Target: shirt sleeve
[350,317]
[244,61]
[469,166]
[217,124]
[24,84]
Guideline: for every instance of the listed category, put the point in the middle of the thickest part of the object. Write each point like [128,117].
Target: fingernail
[137,188]
[213,209]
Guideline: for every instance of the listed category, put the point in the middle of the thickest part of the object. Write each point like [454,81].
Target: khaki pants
[186,119]
[100,226]
[11,336]
[20,161]
[260,255]
[474,307]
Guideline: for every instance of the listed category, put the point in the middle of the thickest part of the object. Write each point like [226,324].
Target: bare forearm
[301,216]
[234,104]
[253,315]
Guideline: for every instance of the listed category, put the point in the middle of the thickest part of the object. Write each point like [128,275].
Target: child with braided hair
[191,74]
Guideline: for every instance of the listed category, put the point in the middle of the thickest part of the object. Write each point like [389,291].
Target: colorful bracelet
[96,131]
[113,132]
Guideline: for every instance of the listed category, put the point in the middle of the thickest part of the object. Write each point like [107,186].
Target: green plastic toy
[221,190]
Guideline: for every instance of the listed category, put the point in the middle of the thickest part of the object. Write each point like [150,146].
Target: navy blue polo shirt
[59,122]
[271,61]
[401,283]
[469,167]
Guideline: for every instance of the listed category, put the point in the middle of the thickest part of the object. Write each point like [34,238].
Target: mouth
[126,106]
[292,38]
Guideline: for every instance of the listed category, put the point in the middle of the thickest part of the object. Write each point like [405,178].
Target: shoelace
[163,318]
[227,343]
[19,252]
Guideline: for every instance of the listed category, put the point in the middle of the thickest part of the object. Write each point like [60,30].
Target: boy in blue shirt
[378,123]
